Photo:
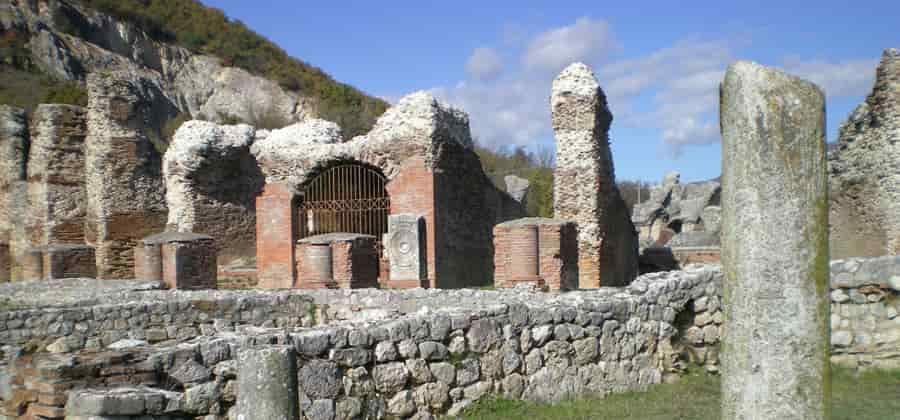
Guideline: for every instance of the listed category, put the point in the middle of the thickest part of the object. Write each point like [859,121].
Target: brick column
[412,191]
[276,222]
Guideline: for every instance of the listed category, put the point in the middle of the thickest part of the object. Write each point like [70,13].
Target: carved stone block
[404,247]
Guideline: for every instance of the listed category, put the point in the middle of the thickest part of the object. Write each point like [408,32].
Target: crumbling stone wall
[64,316]
[212,182]
[125,188]
[377,353]
[680,214]
[535,346]
[13,186]
[864,180]
[585,184]
[56,173]
[865,302]
[467,205]
[424,148]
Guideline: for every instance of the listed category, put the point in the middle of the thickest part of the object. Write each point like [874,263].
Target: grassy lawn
[870,395]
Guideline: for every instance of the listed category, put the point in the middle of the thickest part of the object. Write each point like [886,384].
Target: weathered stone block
[267,384]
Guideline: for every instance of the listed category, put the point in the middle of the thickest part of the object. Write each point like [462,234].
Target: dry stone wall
[865,302]
[864,179]
[96,347]
[379,354]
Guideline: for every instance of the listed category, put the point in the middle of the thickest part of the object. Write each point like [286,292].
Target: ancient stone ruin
[679,223]
[864,180]
[276,188]
[140,244]
[585,184]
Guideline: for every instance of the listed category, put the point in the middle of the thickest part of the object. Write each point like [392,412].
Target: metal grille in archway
[344,198]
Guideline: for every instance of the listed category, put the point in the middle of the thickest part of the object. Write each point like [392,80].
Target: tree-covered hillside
[209,31]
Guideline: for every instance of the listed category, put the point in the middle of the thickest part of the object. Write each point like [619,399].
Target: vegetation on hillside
[537,168]
[209,31]
[24,85]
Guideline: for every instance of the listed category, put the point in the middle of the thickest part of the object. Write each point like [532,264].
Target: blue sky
[659,63]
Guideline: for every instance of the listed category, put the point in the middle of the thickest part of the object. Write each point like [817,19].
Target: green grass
[869,395]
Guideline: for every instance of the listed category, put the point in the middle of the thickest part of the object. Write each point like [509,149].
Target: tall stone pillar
[775,362]
[56,190]
[585,183]
[13,186]
[267,384]
[125,190]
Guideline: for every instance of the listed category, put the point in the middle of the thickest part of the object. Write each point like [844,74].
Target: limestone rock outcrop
[864,171]
[585,183]
[517,187]
[196,84]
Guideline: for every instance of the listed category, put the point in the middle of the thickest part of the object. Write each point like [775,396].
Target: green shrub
[64,92]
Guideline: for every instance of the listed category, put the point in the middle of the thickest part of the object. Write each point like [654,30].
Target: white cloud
[682,81]
[584,40]
[839,78]
[673,89]
[484,64]
[509,112]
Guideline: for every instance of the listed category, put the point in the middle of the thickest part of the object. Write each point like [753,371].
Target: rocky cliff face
[198,85]
[865,171]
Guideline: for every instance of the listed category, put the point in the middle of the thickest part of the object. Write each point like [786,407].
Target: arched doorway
[346,197]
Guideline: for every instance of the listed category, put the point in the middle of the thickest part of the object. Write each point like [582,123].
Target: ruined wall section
[585,186]
[471,345]
[865,303]
[124,179]
[864,180]
[56,179]
[424,149]
[212,182]
[14,143]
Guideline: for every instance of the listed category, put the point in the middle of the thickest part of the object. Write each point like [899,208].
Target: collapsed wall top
[416,125]
[864,175]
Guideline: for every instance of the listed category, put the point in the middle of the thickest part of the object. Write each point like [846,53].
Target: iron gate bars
[344,198]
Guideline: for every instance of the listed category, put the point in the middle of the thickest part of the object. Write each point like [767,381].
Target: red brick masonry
[556,249]
[337,260]
[180,260]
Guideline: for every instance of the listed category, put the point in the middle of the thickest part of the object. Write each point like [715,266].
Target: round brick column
[148,261]
[524,257]
[317,264]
